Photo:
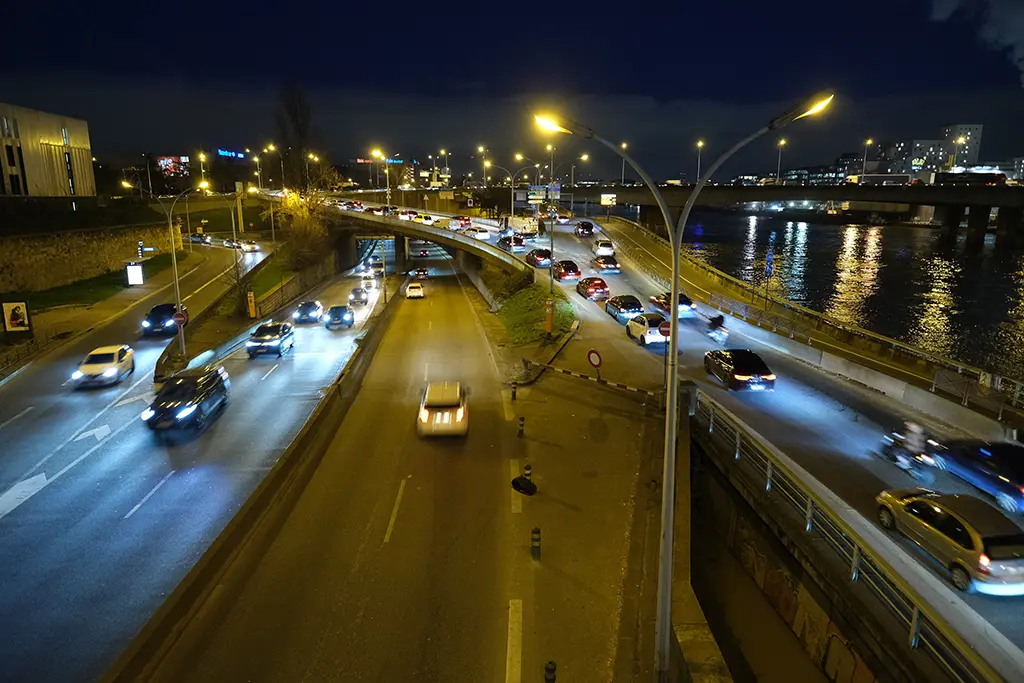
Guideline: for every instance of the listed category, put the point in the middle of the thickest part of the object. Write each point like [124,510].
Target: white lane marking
[426,370]
[514,653]
[394,511]
[101,432]
[212,280]
[66,382]
[10,420]
[506,402]
[149,495]
[517,498]
[83,427]
[268,372]
[21,492]
[145,398]
[24,484]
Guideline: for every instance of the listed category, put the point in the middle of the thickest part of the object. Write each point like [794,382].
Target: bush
[502,285]
[523,314]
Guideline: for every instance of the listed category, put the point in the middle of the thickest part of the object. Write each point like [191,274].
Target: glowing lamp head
[204,185]
[125,184]
[550,124]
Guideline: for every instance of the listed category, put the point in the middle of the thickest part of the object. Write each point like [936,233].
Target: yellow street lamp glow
[700,143]
[203,185]
[443,152]
[519,157]
[550,124]
[252,190]
[316,158]
[487,164]
[126,184]
[585,157]
[961,140]
[310,155]
[256,159]
[271,147]
[869,142]
[247,150]
[819,106]
[480,148]
[548,148]
[202,157]
[623,145]
[782,142]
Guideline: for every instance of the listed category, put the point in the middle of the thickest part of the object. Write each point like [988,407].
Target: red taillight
[742,378]
[768,377]
[983,564]
[590,291]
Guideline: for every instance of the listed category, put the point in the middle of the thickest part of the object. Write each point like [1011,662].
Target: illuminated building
[44,155]
[967,152]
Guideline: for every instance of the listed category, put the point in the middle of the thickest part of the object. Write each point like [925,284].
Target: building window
[6,127]
[64,133]
[10,156]
[21,164]
[17,133]
[3,188]
[15,184]
[71,172]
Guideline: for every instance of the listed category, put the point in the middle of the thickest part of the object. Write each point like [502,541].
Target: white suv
[414,291]
[604,248]
[443,410]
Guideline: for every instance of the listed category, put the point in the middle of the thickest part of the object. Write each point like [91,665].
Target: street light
[809,107]
[956,148]
[483,150]
[280,155]
[700,146]
[778,169]
[864,166]
[551,162]
[174,258]
[202,166]
[622,178]
[444,153]
[259,171]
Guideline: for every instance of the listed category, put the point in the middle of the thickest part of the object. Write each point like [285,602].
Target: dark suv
[273,338]
[513,244]
[995,468]
[566,270]
[189,399]
[159,320]
[584,229]
[339,316]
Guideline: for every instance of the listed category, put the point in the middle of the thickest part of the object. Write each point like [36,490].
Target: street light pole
[664,635]
[483,150]
[622,178]
[778,169]
[864,166]
[700,146]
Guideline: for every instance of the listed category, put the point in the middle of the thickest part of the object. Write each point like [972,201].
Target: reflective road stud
[535,543]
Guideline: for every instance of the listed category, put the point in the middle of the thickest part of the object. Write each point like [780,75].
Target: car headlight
[185,412]
[77,374]
[110,372]
[147,413]
[348,316]
[274,342]
[351,296]
[295,314]
[145,323]
[169,323]
[252,343]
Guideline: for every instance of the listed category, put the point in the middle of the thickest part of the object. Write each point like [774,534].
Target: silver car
[980,547]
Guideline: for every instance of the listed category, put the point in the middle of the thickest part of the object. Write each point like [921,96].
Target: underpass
[114,518]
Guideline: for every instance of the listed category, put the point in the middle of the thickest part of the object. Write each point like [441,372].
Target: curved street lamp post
[807,108]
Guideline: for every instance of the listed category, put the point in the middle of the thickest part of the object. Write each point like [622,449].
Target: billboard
[15,316]
[607,200]
[173,167]
[537,194]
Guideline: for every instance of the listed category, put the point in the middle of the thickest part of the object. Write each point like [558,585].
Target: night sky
[412,77]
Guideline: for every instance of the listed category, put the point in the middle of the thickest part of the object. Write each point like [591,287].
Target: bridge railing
[917,601]
[973,386]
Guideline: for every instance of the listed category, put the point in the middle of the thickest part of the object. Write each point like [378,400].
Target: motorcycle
[919,466]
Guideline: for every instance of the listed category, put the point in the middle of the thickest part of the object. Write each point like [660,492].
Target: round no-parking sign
[594,358]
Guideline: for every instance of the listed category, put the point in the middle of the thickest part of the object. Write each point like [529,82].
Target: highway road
[827,425]
[100,521]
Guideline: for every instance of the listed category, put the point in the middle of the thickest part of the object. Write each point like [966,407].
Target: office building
[963,143]
[44,155]
[912,156]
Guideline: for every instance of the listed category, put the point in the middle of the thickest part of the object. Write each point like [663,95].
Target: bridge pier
[1008,227]
[651,218]
[401,254]
[951,216]
[977,225]
[345,250]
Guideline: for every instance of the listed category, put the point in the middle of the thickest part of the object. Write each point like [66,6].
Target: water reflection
[931,327]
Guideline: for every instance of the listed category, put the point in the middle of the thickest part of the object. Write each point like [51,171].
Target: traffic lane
[51,409]
[162,502]
[340,597]
[824,424]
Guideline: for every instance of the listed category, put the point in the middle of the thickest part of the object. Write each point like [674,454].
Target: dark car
[592,288]
[539,257]
[739,369]
[686,307]
[624,305]
[422,273]
[273,338]
[566,270]
[339,316]
[584,229]
[201,239]
[606,264]
[463,221]
[188,399]
[359,296]
[159,320]
[513,244]
[995,468]
[308,312]
[424,252]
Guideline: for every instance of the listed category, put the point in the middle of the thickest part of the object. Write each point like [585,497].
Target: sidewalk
[59,325]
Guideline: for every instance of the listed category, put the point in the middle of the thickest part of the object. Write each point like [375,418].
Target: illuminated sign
[919,161]
[173,167]
[361,160]
[134,274]
[607,200]
[537,194]
[229,154]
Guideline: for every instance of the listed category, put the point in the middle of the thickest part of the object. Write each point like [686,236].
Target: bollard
[549,672]
[522,423]
[535,543]
[528,471]
[515,385]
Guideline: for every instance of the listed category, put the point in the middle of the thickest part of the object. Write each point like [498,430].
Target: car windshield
[338,310]
[630,301]
[267,331]
[585,225]
[604,244]
[99,358]
[415,286]
[166,310]
[307,306]
[748,363]
[567,265]
[654,320]
[179,389]
[1006,547]
[543,253]
[359,291]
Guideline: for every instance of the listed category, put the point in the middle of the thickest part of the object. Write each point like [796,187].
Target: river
[895,281]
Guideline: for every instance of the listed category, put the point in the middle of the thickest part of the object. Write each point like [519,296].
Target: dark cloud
[1000,23]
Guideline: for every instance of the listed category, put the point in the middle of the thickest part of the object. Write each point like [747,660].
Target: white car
[368,282]
[604,248]
[443,410]
[644,329]
[105,365]
[414,291]
[249,246]
[477,233]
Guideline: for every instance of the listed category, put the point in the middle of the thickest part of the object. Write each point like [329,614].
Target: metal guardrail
[973,386]
[834,524]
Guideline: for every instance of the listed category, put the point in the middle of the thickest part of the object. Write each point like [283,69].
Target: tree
[303,217]
[294,125]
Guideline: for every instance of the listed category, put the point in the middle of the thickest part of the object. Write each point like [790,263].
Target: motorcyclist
[716,323]
[913,444]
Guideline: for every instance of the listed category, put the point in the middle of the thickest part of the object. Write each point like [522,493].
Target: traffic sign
[665,328]
[180,318]
[594,358]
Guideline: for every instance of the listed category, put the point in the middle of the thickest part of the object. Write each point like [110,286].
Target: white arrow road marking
[101,432]
[21,492]
[145,398]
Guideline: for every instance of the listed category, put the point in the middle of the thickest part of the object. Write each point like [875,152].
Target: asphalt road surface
[109,519]
[396,563]
[828,426]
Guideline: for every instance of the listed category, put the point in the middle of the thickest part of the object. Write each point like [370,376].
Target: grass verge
[271,275]
[523,314]
[90,291]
